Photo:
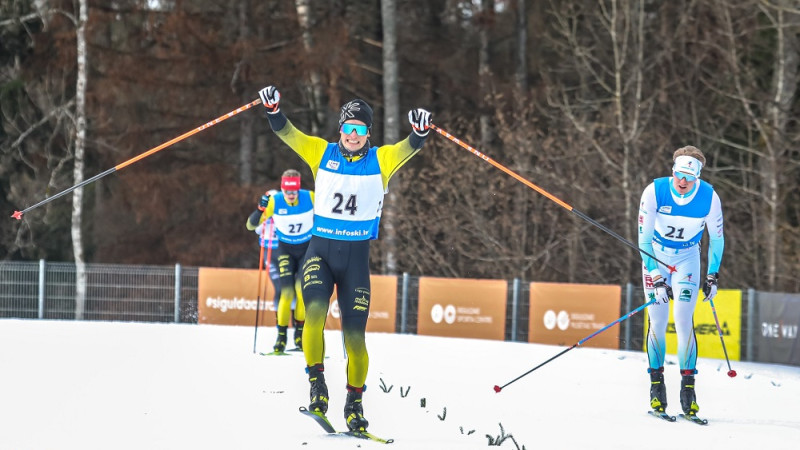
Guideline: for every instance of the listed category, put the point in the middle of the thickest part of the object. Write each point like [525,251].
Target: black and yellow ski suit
[349,196]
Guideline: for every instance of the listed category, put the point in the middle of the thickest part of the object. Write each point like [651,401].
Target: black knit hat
[356,109]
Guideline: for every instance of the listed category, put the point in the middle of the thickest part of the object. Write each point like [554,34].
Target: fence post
[628,307]
[404,304]
[42,272]
[177,292]
[751,312]
[514,308]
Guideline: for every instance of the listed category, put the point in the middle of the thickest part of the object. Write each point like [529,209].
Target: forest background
[587,99]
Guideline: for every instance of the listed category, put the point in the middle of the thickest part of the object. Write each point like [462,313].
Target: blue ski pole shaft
[579,343]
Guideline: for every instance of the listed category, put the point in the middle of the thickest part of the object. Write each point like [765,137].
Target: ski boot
[298,334]
[688,399]
[658,392]
[354,410]
[319,390]
[280,343]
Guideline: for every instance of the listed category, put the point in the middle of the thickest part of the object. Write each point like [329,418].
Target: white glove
[710,287]
[271,99]
[420,120]
[662,291]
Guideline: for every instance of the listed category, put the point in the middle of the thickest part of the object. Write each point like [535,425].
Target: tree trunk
[315,88]
[484,68]
[247,122]
[80,142]
[391,124]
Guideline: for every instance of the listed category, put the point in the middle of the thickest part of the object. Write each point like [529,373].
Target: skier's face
[683,183]
[353,138]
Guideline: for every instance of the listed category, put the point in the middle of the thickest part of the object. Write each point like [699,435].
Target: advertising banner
[728,304]
[776,338]
[563,314]
[229,297]
[462,308]
[382,306]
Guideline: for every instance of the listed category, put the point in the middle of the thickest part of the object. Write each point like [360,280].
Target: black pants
[345,265]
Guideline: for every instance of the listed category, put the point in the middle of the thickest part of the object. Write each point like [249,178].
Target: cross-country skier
[351,179]
[672,216]
[293,212]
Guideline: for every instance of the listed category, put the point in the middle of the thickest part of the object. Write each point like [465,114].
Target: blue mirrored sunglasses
[360,130]
[683,176]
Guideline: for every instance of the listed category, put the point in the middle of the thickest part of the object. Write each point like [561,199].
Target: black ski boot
[319,390]
[688,399]
[280,343]
[658,392]
[298,334]
[354,410]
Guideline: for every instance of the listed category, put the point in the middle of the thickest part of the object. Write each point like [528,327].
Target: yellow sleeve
[268,211]
[309,148]
[392,157]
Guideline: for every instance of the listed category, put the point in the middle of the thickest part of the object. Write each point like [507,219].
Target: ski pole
[258,288]
[579,343]
[548,195]
[18,214]
[731,372]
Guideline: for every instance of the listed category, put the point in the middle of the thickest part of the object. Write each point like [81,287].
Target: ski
[275,354]
[326,425]
[298,349]
[320,418]
[366,435]
[662,415]
[694,419]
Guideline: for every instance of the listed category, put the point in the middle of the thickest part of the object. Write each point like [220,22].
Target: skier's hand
[262,204]
[420,120]
[710,286]
[662,290]
[271,99]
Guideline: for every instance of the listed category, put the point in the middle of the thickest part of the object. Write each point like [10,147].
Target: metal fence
[113,292]
[46,290]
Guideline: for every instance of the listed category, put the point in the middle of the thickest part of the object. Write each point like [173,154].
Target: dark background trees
[588,101]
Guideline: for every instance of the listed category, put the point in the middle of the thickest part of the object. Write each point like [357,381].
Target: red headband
[290,183]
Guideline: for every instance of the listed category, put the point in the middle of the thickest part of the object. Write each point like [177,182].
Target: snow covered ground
[101,385]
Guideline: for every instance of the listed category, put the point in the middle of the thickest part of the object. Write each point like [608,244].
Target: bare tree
[391,125]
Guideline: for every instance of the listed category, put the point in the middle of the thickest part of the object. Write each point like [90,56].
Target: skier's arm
[716,242]
[647,221]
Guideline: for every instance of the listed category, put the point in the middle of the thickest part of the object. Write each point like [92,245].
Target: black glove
[262,204]
[662,290]
[710,286]
[420,120]
[271,99]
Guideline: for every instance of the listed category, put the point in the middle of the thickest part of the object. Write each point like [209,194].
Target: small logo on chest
[333,165]
[665,209]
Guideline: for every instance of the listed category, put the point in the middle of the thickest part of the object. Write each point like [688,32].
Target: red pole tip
[672,269]
[731,373]
[17,215]
[497,388]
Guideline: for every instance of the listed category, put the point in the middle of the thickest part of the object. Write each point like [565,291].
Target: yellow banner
[728,304]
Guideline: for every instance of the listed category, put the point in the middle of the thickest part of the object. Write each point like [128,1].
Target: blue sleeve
[715,249]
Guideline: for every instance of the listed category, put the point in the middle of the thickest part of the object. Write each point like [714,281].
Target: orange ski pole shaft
[18,214]
[258,288]
[547,194]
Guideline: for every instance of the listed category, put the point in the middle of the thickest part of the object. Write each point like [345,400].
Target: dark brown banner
[563,314]
[462,308]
